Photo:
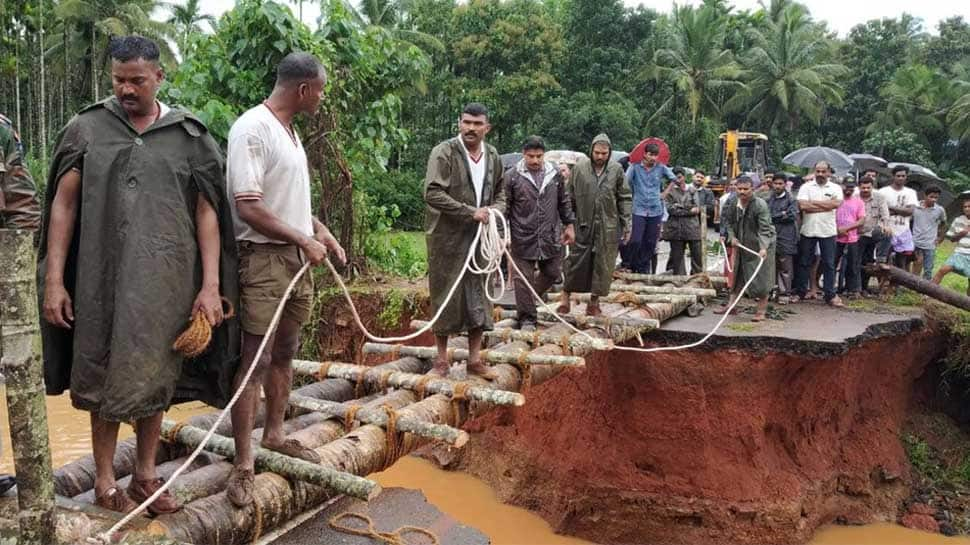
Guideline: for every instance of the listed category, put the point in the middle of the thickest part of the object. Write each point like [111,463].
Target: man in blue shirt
[645,180]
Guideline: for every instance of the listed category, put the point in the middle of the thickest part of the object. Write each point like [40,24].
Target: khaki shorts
[265,270]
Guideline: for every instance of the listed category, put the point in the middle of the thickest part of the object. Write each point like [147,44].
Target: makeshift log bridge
[361,419]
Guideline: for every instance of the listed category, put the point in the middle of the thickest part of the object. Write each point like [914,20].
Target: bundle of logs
[361,419]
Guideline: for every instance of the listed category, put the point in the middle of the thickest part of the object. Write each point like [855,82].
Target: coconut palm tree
[391,15]
[186,19]
[958,114]
[788,76]
[696,60]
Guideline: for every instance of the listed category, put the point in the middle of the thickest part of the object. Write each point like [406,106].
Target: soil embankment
[753,441]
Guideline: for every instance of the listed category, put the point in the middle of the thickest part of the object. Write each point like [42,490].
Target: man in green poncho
[464,179]
[18,194]
[750,225]
[137,238]
[602,201]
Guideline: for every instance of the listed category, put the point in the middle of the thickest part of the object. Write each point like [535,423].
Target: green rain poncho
[134,268]
[450,228]
[752,227]
[602,204]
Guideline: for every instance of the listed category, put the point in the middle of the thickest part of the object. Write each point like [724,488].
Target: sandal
[294,449]
[240,487]
[724,308]
[836,302]
[115,499]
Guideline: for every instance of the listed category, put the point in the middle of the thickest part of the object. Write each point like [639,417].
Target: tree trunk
[493,356]
[920,285]
[572,343]
[43,89]
[619,328]
[630,298]
[20,352]
[700,280]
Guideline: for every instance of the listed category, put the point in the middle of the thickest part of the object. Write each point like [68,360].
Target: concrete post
[22,367]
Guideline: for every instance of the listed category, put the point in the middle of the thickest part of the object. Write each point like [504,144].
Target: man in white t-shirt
[269,186]
[902,201]
[818,200]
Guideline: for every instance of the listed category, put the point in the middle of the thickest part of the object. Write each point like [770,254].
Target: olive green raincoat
[450,229]
[134,269]
[602,204]
[752,227]
[18,194]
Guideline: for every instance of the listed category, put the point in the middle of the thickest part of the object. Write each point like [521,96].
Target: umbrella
[637,154]
[807,157]
[564,156]
[918,173]
[864,161]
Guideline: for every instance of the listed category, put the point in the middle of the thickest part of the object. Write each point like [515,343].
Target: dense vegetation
[565,69]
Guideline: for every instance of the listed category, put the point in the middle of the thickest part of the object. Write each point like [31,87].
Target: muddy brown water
[461,496]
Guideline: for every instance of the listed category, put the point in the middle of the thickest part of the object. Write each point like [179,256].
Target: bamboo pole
[437,432]
[622,297]
[581,320]
[374,376]
[578,344]
[493,356]
[718,282]
[22,365]
[663,290]
[287,466]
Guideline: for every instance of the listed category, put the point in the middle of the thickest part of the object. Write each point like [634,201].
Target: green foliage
[382,249]
[572,122]
[922,458]
[396,303]
[899,144]
[398,188]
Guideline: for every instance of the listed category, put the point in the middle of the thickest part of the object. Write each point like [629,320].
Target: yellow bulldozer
[739,153]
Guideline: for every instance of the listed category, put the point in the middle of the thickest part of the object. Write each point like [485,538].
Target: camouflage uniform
[18,194]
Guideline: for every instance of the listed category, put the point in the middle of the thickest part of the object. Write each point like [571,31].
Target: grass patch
[742,327]
[403,253]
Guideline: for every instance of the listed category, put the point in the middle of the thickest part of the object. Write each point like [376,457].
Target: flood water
[461,496]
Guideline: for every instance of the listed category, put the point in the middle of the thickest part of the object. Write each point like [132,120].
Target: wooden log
[429,352]
[716,281]
[374,376]
[663,290]
[437,432]
[77,477]
[623,297]
[578,344]
[920,285]
[22,366]
[609,323]
[268,460]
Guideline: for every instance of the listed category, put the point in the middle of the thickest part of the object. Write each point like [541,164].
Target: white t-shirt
[904,197]
[265,163]
[477,171]
[819,224]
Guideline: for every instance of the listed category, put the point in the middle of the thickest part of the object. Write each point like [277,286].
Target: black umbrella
[808,157]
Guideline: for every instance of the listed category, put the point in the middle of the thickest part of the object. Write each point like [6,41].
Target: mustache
[129,97]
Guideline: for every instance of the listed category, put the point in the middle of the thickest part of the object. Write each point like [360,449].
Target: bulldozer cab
[738,153]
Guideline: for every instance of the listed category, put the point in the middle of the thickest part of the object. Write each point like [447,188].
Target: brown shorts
[265,270]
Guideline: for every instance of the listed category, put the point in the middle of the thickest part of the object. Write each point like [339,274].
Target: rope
[197,336]
[351,416]
[323,372]
[459,393]
[422,385]
[394,448]
[105,538]
[258,525]
[359,386]
[388,538]
[385,377]
[173,433]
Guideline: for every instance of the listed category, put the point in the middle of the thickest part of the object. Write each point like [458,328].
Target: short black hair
[534,142]
[652,148]
[900,168]
[872,170]
[779,176]
[932,190]
[867,180]
[700,171]
[129,48]
[678,171]
[744,179]
[299,66]
[476,109]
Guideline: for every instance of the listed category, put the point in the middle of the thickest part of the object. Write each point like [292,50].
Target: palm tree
[958,115]
[916,98]
[186,19]
[789,78]
[92,22]
[391,15]
[696,60]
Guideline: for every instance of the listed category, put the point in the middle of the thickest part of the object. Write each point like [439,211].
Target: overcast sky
[841,15]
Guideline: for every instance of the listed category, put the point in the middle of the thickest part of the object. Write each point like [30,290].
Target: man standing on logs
[750,225]
[18,194]
[602,201]
[269,180]
[538,203]
[464,180]
[137,238]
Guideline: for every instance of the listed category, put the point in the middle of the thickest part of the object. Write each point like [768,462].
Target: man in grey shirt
[929,225]
[874,239]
